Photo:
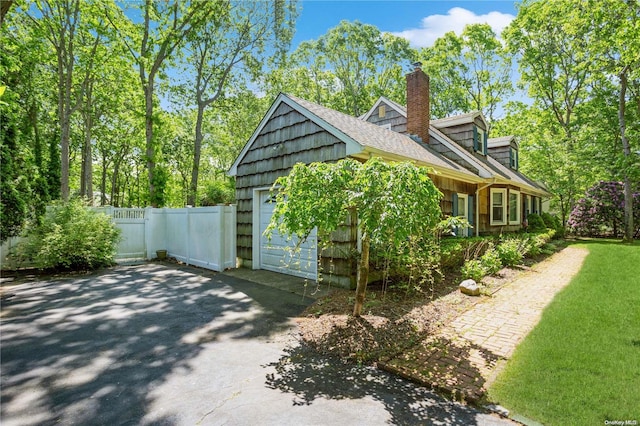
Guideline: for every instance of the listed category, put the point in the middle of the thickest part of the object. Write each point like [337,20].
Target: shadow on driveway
[89,349]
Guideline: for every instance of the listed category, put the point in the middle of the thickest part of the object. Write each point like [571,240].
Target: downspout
[493,180]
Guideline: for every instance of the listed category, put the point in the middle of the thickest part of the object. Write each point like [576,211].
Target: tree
[164,26]
[471,72]
[28,120]
[13,205]
[227,49]
[59,22]
[617,47]
[392,201]
[366,62]
[551,44]
[442,63]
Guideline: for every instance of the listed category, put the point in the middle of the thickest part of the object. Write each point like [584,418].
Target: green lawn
[581,364]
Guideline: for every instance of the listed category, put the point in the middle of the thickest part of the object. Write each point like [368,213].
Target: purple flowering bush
[601,211]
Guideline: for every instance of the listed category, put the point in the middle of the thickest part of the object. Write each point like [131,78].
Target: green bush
[218,192]
[553,222]
[512,251]
[71,236]
[455,251]
[473,269]
[536,223]
[491,260]
[413,267]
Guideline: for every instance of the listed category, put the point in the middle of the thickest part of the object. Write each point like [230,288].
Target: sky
[419,21]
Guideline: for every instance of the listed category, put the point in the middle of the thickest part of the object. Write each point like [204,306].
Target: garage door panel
[279,260]
[275,254]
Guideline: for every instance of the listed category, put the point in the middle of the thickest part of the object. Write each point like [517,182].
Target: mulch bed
[393,320]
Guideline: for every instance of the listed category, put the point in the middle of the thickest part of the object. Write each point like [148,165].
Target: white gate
[132,224]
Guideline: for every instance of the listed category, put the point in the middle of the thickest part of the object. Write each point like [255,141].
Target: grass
[581,364]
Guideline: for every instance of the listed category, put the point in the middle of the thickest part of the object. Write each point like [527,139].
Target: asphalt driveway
[174,345]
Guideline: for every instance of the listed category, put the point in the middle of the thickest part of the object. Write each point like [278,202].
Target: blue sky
[420,21]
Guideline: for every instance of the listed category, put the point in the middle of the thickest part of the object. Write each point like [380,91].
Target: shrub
[218,192]
[413,267]
[512,251]
[536,223]
[71,237]
[473,269]
[455,251]
[550,221]
[491,260]
[601,211]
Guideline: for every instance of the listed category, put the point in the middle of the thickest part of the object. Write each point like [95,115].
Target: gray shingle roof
[375,137]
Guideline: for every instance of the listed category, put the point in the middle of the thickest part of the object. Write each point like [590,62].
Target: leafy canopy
[393,200]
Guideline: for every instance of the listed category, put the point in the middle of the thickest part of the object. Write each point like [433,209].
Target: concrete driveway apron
[175,345]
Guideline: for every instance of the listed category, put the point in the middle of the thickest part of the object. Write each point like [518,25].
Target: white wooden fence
[202,236]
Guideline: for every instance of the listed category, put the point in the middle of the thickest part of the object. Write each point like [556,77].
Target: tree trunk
[626,149]
[197,148]
[103,181]
[86,178]
[363,277]
[64,115]
[151,153]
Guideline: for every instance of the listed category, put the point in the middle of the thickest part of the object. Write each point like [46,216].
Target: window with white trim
[498,211]
[513,158]
[479,141]
[463,202]
[514,207]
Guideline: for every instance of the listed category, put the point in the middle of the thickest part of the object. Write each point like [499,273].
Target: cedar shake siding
[386,115]
[463,134]
[503,149]
[448,187]
[286,139]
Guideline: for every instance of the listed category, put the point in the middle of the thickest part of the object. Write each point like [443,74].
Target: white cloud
[435,26]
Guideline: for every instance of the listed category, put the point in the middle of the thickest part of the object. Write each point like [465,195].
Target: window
[386,126]
[382,110]
[499,206]
[514,207]
[528,209]
[479,141]
[463,207]
[513,158]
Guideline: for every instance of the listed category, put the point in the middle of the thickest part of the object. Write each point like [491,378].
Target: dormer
[468,130]
[388,115]
[505,151]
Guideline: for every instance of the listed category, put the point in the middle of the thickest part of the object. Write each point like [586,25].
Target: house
[478,176]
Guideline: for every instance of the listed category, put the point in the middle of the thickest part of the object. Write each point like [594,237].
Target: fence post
[148,226]
[234,236]
[187,234]
[221,239]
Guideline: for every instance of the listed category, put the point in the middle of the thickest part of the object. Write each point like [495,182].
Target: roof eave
[468,177]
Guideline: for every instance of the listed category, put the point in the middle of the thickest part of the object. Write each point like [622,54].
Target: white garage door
[274,253]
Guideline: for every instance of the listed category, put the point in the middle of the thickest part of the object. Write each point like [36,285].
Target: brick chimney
[418,115]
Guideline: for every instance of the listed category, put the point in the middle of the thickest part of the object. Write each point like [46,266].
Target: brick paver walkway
[462,358]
